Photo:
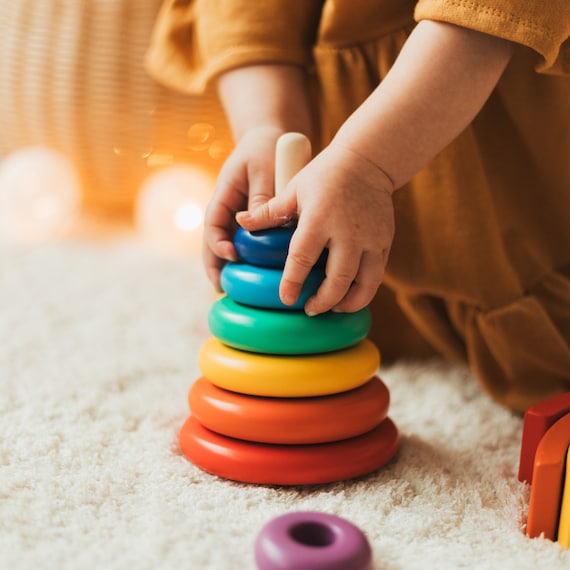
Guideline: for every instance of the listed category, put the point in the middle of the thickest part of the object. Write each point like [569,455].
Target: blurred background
[86,133]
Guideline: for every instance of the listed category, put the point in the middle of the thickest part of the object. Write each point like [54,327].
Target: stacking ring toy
[285,332]
[288,376]
[271,464]
[292,420]
[259,286]
[312,541]
[267,248]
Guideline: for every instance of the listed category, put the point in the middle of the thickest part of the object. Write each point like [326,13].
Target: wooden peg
[292,153]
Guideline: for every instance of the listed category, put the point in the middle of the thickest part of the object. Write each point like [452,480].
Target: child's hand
[245,181]
[343,203]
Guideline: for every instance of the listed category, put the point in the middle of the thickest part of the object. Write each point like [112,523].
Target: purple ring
[312,541]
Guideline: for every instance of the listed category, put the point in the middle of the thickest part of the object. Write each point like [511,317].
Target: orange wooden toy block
[548,480]
[537,420]
[564,524]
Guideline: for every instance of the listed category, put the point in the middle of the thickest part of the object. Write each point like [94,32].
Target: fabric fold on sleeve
[195,40]
[541,26]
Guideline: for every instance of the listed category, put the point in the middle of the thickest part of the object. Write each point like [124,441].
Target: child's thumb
[276,211]
[292,153]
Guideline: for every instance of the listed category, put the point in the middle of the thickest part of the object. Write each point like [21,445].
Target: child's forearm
[266,96]
[441,79]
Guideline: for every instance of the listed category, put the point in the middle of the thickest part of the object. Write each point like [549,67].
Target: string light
[39,195]
[170,208]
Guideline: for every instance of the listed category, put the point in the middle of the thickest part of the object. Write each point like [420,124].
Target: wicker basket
[72,78]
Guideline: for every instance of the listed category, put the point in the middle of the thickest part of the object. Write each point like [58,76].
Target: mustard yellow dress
[480,265]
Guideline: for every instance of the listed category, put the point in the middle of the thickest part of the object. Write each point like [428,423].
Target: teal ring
[259,286]
[285,332]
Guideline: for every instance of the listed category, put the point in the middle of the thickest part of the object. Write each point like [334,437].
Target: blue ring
[259,286]
[268,248]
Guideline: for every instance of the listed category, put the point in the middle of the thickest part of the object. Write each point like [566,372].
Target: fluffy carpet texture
[98,347]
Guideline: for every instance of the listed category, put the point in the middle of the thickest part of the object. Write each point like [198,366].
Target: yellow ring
[288,376]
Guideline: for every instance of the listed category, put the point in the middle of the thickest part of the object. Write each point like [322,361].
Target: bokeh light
[40,195]
[201,136]
[171,206]
[188,217]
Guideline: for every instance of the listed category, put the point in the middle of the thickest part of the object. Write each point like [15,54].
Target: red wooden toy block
[537,420]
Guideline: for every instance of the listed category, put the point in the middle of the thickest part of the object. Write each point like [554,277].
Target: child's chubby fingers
[215,254]
[365,284]
[342,268]
[219,227]
[260,186]
[304,251]
[217,244]
[213,270]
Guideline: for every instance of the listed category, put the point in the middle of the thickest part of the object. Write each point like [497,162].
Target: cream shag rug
[98,347]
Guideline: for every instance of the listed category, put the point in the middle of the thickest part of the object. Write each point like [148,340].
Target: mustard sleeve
[195,40]
[543,26]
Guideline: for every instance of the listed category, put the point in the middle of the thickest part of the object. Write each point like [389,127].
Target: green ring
[285,332]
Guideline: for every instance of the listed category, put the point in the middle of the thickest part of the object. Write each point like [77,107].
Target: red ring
[291,420]
[271,464]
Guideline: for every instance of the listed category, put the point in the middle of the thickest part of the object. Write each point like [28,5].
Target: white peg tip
[292,153]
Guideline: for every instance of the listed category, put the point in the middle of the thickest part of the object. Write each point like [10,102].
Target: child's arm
[438,84]
[261,102]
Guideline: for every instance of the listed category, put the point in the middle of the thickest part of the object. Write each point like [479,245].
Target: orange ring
[291,420]
[271,464]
